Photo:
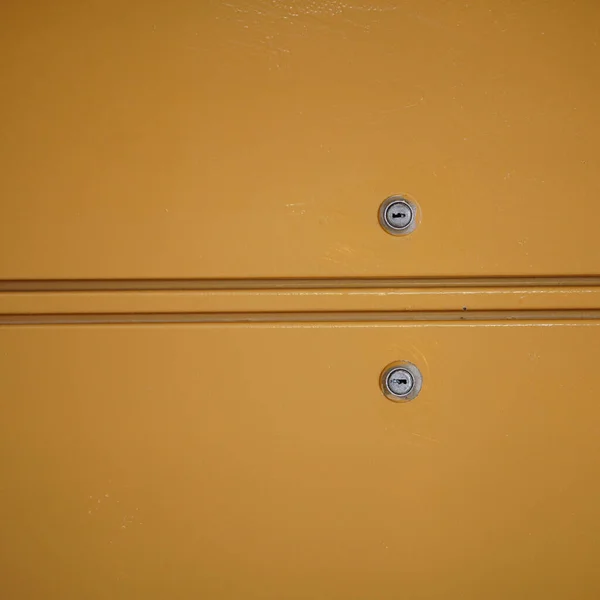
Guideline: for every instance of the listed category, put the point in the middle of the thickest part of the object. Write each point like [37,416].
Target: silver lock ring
[399,215]
[401,381]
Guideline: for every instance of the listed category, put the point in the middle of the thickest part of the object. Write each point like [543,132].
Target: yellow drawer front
[257,138]
[263,461]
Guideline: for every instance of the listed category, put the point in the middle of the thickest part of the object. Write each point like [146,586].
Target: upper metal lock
[401,381]
[398,215]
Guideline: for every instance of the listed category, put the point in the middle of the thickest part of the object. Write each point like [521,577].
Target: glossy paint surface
[263,461]
[257,138]
[197,300]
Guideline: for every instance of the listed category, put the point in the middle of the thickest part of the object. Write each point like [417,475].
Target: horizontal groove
[311,317]
[306,300]
[73,285]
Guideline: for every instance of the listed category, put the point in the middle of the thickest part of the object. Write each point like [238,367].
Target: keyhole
[401,383]
[397,215]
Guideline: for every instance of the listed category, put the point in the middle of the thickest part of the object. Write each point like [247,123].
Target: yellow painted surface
[264,462]
[257,138]
[208,174]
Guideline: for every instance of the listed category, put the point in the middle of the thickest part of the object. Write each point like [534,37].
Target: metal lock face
[401,382]
[398,215]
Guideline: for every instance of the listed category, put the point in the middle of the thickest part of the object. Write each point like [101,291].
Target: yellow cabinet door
[263,461]
[257,138]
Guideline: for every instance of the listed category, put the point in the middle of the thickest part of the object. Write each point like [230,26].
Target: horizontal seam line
[316,316]
[90,285]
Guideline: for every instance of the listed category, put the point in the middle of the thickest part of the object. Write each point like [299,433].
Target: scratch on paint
[296,208]
[283,17]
